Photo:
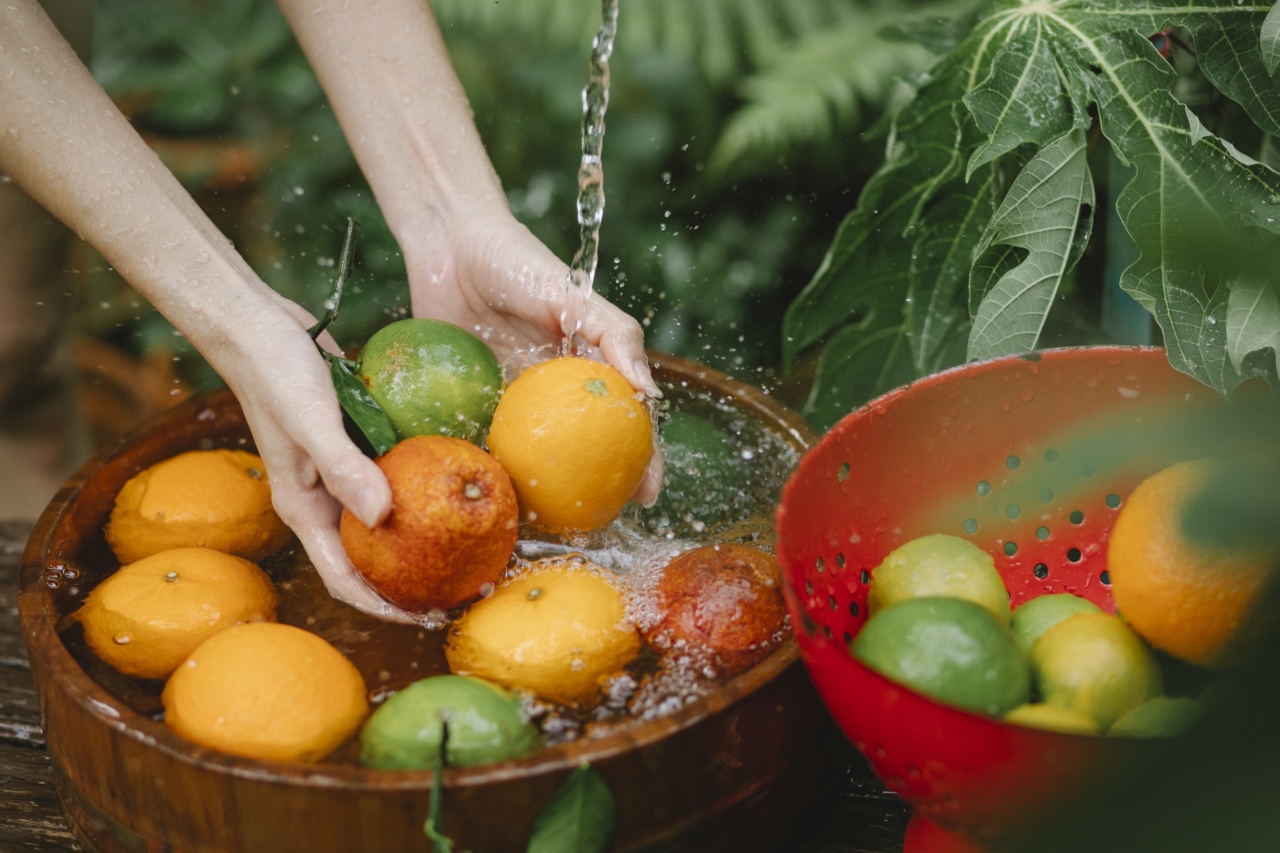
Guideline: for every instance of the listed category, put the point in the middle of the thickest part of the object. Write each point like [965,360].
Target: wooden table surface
[861,817]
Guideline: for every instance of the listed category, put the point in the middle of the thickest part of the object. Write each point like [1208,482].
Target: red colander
[1031,459]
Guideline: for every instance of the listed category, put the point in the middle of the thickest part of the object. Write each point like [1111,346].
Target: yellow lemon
[1095,664]
[938,565]
[1053,718]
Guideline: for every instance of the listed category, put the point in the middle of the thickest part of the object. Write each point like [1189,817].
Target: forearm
[68,146]
[406,116]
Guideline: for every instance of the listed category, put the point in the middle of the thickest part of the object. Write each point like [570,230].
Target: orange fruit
[149,615]
[266,690]
[453,525]
[558,631]
[1094,664]
[723,599]
[576,439]
[216,499]
[1188,598]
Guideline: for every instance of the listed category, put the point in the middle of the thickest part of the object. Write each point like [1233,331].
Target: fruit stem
[345,262]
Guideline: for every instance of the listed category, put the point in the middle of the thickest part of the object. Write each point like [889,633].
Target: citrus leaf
[360,406]
[579,818]
[1041,214]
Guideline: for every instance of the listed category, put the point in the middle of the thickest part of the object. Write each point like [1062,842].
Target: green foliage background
[734,147]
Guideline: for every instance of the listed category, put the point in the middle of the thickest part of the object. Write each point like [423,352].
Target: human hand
[284,387]
[488,274]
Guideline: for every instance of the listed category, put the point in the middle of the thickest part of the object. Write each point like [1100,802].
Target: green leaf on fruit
[360,406]
[986,182]
[579,818]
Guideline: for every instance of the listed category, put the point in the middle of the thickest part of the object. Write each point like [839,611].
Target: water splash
[595,100]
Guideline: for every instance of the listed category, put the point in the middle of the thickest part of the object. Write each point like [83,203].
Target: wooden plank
[30,818]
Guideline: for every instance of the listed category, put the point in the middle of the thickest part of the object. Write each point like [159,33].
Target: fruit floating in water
[266,690]
[217,499]
[486,725]
[148,616]
[722,600]
[557,630]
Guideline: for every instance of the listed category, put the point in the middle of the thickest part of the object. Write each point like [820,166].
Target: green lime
[1095,664]
[486,724]
[1041,716]
[949,649]
[1032,618]
[432,378]
[938,565]
[1162,716]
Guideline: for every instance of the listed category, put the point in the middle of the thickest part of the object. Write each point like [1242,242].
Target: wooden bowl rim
[36,612]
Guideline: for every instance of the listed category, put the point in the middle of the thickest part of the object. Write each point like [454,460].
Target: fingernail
[368,508]
[640,369]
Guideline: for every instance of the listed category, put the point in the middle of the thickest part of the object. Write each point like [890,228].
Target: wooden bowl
[721,773]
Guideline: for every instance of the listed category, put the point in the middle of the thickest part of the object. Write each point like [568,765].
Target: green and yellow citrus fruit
[432,378]
[1032,618]
[938,565]
[1095,664]
[1160,716]
[1053,718]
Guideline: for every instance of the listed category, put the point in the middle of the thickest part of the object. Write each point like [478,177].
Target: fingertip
[651,483]
[372,505]
[642,378]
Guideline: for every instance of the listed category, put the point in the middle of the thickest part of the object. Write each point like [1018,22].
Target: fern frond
[818,86]
[727,38]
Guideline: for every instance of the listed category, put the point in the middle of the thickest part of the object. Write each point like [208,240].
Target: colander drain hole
[1041,571]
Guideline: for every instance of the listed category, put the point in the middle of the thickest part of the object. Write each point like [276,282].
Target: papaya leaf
[1018,87]
[1269,39]
[1041,214]
[1023,99]
[1253,321]
[579,818]
[360,406]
